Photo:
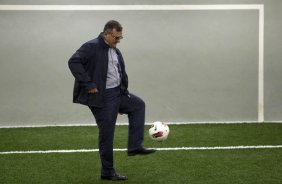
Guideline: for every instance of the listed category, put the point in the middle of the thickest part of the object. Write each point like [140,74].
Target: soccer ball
[159,131]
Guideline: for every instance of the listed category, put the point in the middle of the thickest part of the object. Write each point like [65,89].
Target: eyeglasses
[117,37]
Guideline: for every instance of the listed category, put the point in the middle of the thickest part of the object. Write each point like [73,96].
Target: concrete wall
[190,66]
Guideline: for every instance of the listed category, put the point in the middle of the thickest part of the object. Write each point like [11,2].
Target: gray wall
[190,66]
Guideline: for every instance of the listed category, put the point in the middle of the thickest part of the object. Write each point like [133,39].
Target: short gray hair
[112,24]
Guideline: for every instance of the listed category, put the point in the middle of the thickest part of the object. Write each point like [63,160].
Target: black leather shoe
[141,151]
[115,177]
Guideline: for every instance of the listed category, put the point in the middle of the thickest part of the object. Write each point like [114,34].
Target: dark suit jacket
[89,66]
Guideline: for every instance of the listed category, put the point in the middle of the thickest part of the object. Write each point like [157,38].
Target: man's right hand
[94,90]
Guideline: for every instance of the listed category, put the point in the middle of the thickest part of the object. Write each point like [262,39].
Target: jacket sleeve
[77,64]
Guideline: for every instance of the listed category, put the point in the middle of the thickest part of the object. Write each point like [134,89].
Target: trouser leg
[106,120]
[134,107]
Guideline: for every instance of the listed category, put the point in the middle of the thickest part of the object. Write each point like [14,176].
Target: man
[101,83]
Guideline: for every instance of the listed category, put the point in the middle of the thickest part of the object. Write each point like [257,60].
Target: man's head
[112,33]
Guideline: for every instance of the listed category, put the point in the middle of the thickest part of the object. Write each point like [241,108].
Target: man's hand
[94,90]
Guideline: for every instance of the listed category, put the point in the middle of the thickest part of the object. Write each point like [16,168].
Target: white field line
[131,7]
[159,149]
[40,125]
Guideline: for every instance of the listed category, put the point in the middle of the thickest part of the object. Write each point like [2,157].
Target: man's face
[113,38]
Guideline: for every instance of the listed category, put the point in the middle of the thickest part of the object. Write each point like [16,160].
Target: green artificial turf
[202,166]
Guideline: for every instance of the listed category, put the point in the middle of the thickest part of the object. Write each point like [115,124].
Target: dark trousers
[117,102]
